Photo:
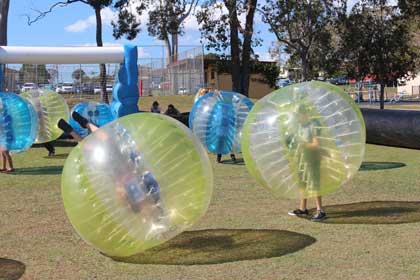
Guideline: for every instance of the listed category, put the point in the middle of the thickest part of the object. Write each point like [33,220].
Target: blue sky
[74,25]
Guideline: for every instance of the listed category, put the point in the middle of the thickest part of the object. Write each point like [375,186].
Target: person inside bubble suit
[309,155]
[136,187]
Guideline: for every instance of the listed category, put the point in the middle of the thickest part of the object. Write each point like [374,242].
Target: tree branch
[58,4]
[273,28]
[192,6]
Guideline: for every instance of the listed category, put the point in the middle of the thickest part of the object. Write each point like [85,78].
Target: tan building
[223,81]
[411,87]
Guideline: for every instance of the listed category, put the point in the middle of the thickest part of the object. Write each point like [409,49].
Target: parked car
[98,89]
[283,82]
[338,81]
[67,88]
[58,88]
[46,86]
[28,86]
[183,91]
[88,88]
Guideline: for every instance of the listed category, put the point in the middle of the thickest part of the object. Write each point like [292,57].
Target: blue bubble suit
[217,119]
[95,112]
[18,123]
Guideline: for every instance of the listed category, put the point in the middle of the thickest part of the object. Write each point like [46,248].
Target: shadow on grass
[58,143]
[373,165]
[239,161]
[373,212]
[42,170]
[11,269]
[57,156]
[215,246]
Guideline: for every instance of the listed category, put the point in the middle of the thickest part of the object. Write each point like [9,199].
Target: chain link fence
[158,75]
[182,75]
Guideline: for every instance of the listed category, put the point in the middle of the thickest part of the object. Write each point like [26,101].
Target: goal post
[125,91]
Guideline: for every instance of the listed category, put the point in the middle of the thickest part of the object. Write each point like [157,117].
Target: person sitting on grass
[172,111]
[155,107]
[64,126]
[309,164]
[6,159]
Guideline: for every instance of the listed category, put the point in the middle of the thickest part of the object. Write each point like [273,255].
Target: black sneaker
[64,126]
[298,212]
[319,216]
[219,158]
[80,119]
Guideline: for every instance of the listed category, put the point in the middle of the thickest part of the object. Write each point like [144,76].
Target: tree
[305,30]
[97,5]
[166,19]
[221,28]
[409,7]
[378,43]
[79,76]
[32,73]
[4,12]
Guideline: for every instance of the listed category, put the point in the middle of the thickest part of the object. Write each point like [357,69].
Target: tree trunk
[174,47]
[175,74]
[4,12]
[102,67]
[382,96]
[246,50]
[168,50]
[305,67]
[234,45]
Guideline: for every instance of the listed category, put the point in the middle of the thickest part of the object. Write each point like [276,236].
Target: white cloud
[191,23]
[83,24]
[265,56]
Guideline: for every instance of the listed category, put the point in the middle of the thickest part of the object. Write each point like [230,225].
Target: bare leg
[91,127]
[318,202]
[303,203]
[4,159]
[9,159]
[76,136]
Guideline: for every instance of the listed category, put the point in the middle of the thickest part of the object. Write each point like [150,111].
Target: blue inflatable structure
[217,119]
[126,91]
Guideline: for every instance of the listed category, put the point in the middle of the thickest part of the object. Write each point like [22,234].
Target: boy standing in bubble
[309,156]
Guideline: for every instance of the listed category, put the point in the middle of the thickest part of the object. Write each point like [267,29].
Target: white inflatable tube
[60,55]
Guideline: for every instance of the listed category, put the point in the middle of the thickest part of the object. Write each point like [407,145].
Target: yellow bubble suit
[135,183]
[306,138]
[50,107]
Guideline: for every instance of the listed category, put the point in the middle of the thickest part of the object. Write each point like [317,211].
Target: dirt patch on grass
[11,269]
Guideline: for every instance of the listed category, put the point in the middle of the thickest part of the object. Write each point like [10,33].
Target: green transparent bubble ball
[304,139]
[50,107]
[136,183]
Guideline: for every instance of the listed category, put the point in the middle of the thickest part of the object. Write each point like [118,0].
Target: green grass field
[372,233]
